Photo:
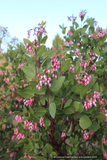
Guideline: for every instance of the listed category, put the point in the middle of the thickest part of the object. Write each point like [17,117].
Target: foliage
[56,98]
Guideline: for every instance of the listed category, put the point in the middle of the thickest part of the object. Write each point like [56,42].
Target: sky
[22,15]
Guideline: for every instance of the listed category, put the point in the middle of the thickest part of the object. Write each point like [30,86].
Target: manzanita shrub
[55,96]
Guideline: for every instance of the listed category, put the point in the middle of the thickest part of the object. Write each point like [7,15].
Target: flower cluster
[92,68]
[71,68]
[101,33]
[16,105]
[12,154]
[19,135]
[41,122]
[28,32]
[19,118]
[92,35]
[68,43]
[43,79]
[28,48]
[104,140]
[12,88]
[55,65]
[105,154]
[70,33]
[86,80]
[11,113]
[76,52]
[92,101]
[19,99]
[19,67]
[83,64]
[28,102]
[30,125]
[6,80]
[103,110]
[82,14]
[71,18]
[41,30]
[86,135]
[25,156]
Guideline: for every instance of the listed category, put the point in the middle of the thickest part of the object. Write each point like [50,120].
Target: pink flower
[82,14]
[70,42]
[4,126]
[85,136]
[63,135]
[13,75]
[12,154]
[13,137]
[25,85]
[70,33]
[78,44]
[66,43]
[1,73]
[8,150]
[54,48]
[6,80]
[16,131]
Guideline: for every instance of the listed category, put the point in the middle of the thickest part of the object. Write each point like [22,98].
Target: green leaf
[71,77]
[84,91]
[67,103]
[52,109]
[18,113]
[46,122]
[78,106]
[100,116]
[21,142]
[41,50]
[60,26]
[78,88]
[56,85]
[70,130]
[96,87]
[49,65]
[76,24]
[26,92]
[53,154]
[85,122]
[47,149]
[65,65]
[40,158]
[94,127]
[101,145]
[49,54]
[28,70]
[69,110]
[40,112]
[93,80]
[51,97]
[64,30]
[60,122]
[31,110]
[28,59]
[23,158]
[44,39]
[25,109]
[5,64]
